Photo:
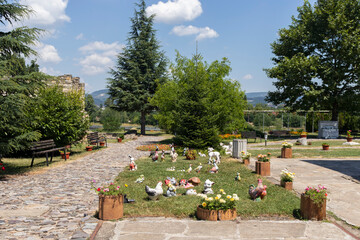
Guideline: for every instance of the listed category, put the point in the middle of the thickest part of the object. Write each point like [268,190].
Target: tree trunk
[143,122]
[334,112]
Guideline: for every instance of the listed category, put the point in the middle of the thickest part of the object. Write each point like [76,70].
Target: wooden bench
[249,134]
[45,147]
[281,133]
[95,138]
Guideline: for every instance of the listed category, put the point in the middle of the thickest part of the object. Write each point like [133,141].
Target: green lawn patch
[312,153]
[277,202]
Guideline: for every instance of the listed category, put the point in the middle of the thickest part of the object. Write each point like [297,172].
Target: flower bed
[152,147]
[230,136]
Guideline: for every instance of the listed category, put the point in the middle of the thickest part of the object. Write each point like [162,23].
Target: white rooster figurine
[154,193]
[198,168]
[132,166]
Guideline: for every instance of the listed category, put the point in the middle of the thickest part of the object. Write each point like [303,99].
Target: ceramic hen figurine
[259,192]
[198,168]
[189,169]
[237,178]
[155,157]
[162,155]
[154,193]
[215,169]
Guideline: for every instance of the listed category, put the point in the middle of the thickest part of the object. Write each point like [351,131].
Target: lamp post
[266,137]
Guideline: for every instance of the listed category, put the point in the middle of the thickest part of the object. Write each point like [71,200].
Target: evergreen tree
[140,68]
[317,62]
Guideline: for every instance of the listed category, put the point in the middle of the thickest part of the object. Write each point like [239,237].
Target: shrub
[190,154]
[111,119]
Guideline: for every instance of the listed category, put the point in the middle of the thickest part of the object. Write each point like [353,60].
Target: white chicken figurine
[198,168]
[189,169]
[155,157]
[162,156]
[202,154]
[132,166]
[215,169]
[154,193]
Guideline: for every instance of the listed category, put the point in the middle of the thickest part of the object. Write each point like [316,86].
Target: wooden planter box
[119,140]
[309,210]
[286,152]
[246,161]
[214,215]
[111,207]
[326,147]
[262,168]
[63,155]
[287,185]
[349,139]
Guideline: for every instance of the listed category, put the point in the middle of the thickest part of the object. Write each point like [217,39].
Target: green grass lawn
[16,166]
[314,144]
[277,202]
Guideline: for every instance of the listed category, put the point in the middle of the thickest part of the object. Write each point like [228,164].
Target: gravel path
[58,204]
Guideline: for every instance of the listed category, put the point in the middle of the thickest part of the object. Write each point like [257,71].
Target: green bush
[111,119]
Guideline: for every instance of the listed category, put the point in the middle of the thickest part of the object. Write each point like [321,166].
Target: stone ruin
[69,83]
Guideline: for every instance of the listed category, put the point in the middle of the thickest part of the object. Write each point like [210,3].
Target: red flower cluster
[2,168]
[152,147]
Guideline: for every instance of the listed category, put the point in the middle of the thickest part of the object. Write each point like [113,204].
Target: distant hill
[252,97]
[100,96]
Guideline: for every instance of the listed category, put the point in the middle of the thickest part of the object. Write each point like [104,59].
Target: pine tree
[140,68]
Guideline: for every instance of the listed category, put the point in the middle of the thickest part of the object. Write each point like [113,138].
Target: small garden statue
[182,182]
[237,178]
[171,191]
[154,193]
[185,149]
[156,155]
[170,180]
[208,187]
[202,154]
[259,192]
[215,169]
[162,155]
[173,156]
[198,168]
[191,191]
[132,166]
[213,154]
[189,169]
[140,179]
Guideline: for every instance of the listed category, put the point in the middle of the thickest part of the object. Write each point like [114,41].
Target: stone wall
[68,82]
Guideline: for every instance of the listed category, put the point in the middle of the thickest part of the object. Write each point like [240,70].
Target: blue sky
[84,36]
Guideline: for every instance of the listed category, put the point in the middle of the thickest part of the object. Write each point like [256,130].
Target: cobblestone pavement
[58,204]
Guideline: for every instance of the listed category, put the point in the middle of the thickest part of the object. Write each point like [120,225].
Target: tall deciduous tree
[317,62]
[140,68]
[199,102]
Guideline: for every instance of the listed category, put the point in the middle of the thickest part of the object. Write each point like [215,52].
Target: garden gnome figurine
[171,191]
[207,187]
[132,166]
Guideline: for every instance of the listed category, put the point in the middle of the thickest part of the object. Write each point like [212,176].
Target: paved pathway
[58,203]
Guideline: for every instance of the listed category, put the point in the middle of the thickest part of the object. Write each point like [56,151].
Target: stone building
[68,82]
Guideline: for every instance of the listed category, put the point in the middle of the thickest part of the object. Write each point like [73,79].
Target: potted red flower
[63,154]
[349,137]
[262,165]
[313,203]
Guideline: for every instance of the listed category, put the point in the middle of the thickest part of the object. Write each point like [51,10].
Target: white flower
[222,201]
[219,195]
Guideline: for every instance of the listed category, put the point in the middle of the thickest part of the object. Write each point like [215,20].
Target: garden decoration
[171,169]
[213,154]
[189,169]
[140,179]
[162,155]
[89,148]
[313,203]
[245,156]
[237,178]
[194,180]
[126,200]
[185,149]
[286,179]
[214,169]
[208,187]
[170,180]
[154,193]
[155,156]
[198,168]
[262,165]
[173,156]
[110,200]
[188,185]
[286,150]
[349,137]
[227,148]
[190,191]
[119,140]
[220,207]
[325,146]
[182,183]
[63,155]
[132,166]
[303,134]
[301,141]
[259,192]
[202,154]
[171,191]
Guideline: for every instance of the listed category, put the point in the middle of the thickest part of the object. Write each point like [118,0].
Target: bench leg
[52,155]
[47,160]
[65,153]
[32,161]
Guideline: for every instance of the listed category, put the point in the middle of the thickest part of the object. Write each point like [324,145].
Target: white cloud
[80,36]
[248,77]
[47,12]
[50,71]
[99,56]
[175,11]
[48,53]
[201,33]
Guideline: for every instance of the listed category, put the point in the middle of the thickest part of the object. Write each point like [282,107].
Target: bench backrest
[93,136]
[248,134]
[41,145]
[281,133]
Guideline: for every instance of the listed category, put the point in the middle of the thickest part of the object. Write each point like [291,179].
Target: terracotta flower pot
[349,139]
[287,185]
[286,152]
[325,147]
[205,214]
[214,215]
[310,210]
[262,168]
[89,148]
[111,207]
[102,144]
[303,135]
[119,140]
[63,155]
[246,161]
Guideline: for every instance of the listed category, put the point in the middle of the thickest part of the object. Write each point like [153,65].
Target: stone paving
[58,204]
